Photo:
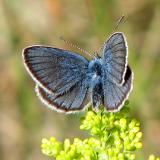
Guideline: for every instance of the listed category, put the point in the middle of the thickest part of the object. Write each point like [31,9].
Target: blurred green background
[88,23]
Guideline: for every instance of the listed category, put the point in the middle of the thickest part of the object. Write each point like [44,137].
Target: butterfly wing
[74,100]
[115,58]
[55,70]
[115,95]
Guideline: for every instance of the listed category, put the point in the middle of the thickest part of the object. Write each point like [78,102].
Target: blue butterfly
[67,82]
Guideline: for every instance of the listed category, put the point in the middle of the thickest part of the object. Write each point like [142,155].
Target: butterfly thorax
[95,67]
[95,74]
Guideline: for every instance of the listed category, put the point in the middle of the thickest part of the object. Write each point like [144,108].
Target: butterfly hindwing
[116,95]
[55,70]
[74,100]
[115,58]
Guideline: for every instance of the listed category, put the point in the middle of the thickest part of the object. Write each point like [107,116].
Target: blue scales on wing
[74,100]
[115,58]
[115,95]
[55,70]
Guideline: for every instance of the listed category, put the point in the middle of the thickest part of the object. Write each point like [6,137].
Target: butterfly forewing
[115,58]
[55,70]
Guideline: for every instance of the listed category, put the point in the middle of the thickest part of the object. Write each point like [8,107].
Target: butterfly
[67,82]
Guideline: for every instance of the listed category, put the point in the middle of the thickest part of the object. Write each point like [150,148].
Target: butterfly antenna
[75,46]
[116,27]
[119,21]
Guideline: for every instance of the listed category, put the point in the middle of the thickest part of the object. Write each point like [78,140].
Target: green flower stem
[113,136]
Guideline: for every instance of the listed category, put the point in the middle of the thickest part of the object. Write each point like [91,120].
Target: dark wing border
[53,106]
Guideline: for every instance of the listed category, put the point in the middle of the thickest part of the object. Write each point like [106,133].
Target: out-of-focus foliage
[152,157]
[23,119]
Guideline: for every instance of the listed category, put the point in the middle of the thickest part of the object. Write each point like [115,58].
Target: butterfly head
[95,66]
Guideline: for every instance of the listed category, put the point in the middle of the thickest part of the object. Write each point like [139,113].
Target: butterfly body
[95,75]
[67,82]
